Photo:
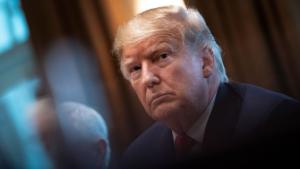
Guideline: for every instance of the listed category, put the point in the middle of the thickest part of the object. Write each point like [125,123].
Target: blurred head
[86,135]
[172,61]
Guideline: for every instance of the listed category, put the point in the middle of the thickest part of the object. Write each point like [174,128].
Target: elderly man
[174,64]
[74,137]
[85,134]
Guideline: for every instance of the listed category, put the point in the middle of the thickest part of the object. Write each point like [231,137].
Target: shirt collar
[198,128]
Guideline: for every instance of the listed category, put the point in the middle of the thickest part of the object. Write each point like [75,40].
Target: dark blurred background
[62,49]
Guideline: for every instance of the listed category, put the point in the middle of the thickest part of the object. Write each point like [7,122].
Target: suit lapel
[164,151]
[165,141]
[223,119]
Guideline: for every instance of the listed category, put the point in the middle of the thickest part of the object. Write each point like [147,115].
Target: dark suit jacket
[248,125]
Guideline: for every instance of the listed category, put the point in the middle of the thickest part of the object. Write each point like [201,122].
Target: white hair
[83,125]
[186,25]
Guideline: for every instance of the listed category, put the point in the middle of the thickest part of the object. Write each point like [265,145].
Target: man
[80,129]
[174,64]
[86,135]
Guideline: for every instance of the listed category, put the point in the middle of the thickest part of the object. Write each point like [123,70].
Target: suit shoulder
[150,149]
[262,107]
[148,140]
[150,135]
[259,93]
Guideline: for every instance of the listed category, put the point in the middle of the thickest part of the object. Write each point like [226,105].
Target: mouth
[159,98]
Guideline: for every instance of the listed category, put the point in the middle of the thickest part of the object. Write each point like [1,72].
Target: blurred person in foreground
[86,135]
[174,64]
[83,131]
[42,117]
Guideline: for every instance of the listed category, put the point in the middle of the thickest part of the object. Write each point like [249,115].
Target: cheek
[186,79]
[180,76]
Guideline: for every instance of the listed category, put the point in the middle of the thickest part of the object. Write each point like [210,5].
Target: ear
[208,62]
[101,145]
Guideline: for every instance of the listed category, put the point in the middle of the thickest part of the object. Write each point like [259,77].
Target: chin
[162,113]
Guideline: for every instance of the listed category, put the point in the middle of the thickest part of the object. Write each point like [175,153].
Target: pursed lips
[158,96]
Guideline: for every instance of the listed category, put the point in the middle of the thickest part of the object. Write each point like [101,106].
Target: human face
[167,77]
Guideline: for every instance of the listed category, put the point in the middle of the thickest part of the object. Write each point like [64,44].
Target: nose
[150,76]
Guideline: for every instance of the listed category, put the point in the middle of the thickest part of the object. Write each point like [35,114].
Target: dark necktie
[183,145]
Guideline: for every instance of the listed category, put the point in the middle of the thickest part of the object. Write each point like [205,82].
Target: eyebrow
[128,59]
[150,51]
[127,62]
[158,48]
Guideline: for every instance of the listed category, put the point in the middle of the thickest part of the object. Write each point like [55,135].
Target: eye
[162,58]
[135,68]
[134,71]
[163,55]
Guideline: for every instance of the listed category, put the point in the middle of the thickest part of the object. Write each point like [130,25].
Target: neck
[183,121]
